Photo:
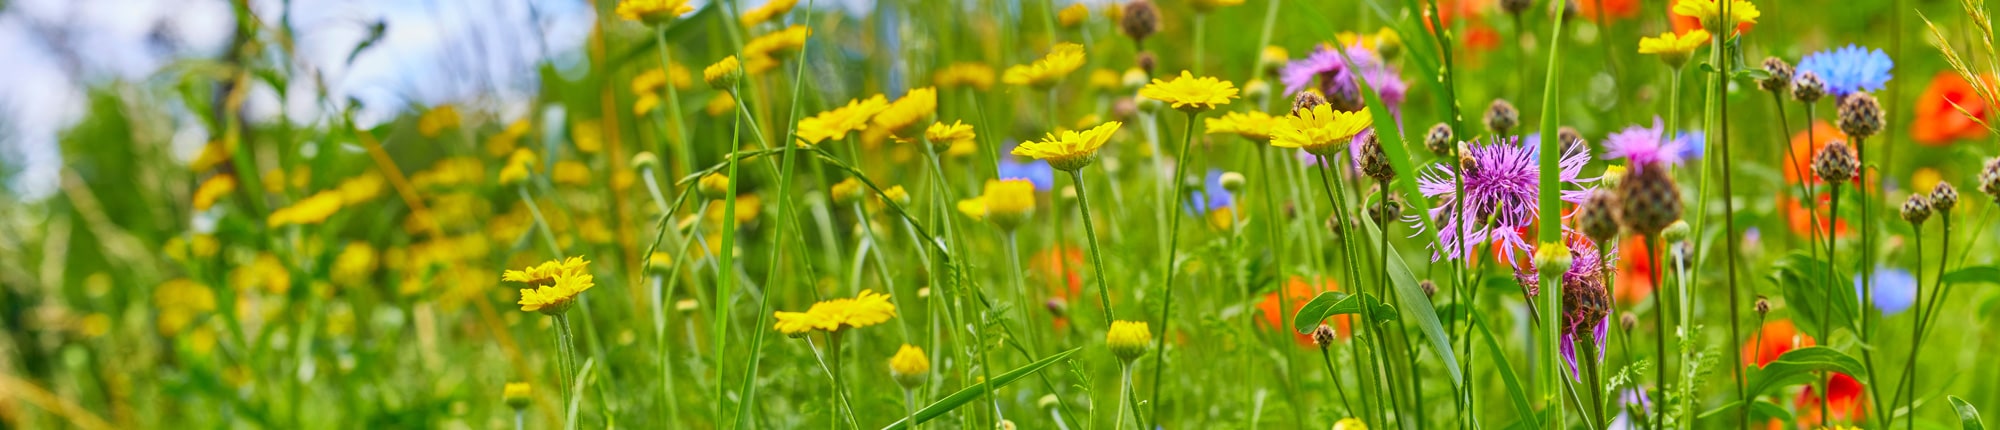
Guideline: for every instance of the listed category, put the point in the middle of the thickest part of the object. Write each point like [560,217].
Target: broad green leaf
[1804,281]
[1986,274]
[1968,416]
[1515,393]
[1317,310]
[1800,366]
[972,392]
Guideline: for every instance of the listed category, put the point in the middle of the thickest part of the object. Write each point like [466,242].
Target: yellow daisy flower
[869,308]
[1350,424]
[762,53]
[1740,11]
[1322,130]
[1672,48]
[212,190]
[546,271]
[1069,150]
[1073,15]
[435,121]
[772,9]
[952,134]
[311,210]
[653,12]
[1251,125]
[723,74]
[907,111]
[837,123]
[974,208]
[910,367]
[967,74]
[566,279]
[1191,94]
[1008,202]
[1128,339]
[517,167]
[721,104]
[1049,70]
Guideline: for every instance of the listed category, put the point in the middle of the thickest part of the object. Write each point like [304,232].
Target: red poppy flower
[1778,337]
[1940,120]
[1612,9]
[1060,269]
[1800,219]
[1298,291]
[1635,272]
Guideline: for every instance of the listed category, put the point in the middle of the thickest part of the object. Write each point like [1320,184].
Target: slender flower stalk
[1550,231]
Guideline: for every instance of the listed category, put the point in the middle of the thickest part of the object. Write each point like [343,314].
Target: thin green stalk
[910,407]
[1729,242]
[565,354]
[1833,211]
[1550,207]
[1926,314]
[1653,243]
[844,405]
[1916,330]
[1096,257]
[1347,229]
[1173,252]
[1334,379]
[673,103]
[1200,30]
[1124,390]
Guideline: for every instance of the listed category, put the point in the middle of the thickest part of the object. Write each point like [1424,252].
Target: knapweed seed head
[1501,116]
[1762,306]
[1321,130]
[910,367]
[1323,336]
[1626,321]
[1430,288]
[1917,209]
[1069,150]
[1597,216]
[516,395]
[714,186]
[1190,94]
[1128,339]
[1860,115]
[1807,86]
[1385,210]
[724,74]
[1570,139]
[653,12]
[1374,161]
[1306,101]
[1835,162]
[1944,197]
[1989,179]
[1649,200]
[1779,75]
[869,308]
[1674,49]
[1141,19]
[1439,139]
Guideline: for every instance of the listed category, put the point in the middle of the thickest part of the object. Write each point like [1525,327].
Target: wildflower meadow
[1007,214]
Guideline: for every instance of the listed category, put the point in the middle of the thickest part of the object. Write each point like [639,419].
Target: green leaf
[1804,282]
[1321,306]
[1499,357]
[974,391]
[1968,416]
[1801,366]
[1986,274]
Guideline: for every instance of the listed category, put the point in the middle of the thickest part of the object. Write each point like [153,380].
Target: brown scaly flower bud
[1762,305]
[1345,97]
[1917,209]
[1439,139]
[1306,101]
[1627,321]
[1501,116]
[1989,179]
[1391,208]
[1515,7]
[1944,197]
[1597,216]
[1781,75]
[1430,288]
[1807,87]
[1649,200]
[1141,20]
[1324,336]
[1860,115]
[1145,61]
[1570,138]
[1835,162]
[1375,162]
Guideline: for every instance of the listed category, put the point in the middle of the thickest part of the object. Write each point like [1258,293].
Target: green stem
[845,406]
[673,103]
[1334,377]
[1173,252]
[1124,387]
[1096,257]
[1550,232]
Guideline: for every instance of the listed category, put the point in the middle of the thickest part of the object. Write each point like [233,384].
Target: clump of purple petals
[1641,146]
[1332,72]
[1502,182]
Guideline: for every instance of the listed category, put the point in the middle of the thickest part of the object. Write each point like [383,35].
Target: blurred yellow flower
[213,189]
[721,104]
[571,172]
[1048,70]
[653,12]
[360,188]
[311,210]
[1128,339]
[952,134]
[1350,424]
[837,123]
[566,279]
[869,308]
[967,74]
[1206,6]
[264,272]
[645,104]
[1274,55]
[974,208]
[1740,11]
[1674,49]
[450,172]
[762,53]
[180,301]
[1104,79]
[723,74]
[1191,94]
[515,394]
[1253,125]
[588,136]
[355,264]
[517,167]
[910,367]
[1321,130]
[435,121]
[1069,150]
[1008,202]
[770,9]
[908,111]
[212,154]
[1073,15]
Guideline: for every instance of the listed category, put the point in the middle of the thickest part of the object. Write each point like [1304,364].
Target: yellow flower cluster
[264,272]
[450,172]
[311,210]
[1191,94]
[869,308]
[762,53]
[1048,70]
[653,12]
[837,123]
[180,302]
[1321,130]
[1253,125]
[212,190]
[967,74]
[771,9]
[899,117]
[1069,150]
[564,279]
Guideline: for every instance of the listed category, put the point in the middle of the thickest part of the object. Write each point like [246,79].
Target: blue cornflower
[1210,196]
[1895,289]
[1849,69]
[1037,172]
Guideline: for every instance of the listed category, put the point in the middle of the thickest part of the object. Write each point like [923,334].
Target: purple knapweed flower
[1502,188]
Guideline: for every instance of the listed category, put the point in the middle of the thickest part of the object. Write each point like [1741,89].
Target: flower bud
[1762,305]
[714,186]
[1917,209]
[1306,101]
[1501,116]
[1780,75]
[1860,115]
[1553,259]
[1374,161]
[1141,20]
[1597,216]
[516,394]
[1835,162]
[910,367]
[1989,179]
[1676,232]
[1430,288]
[1807,87]
[1231,182]
[846,192]
[1439,139]
[1944,197]
[1323,336]
[1627,321]
[724,74]
[1128,339]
